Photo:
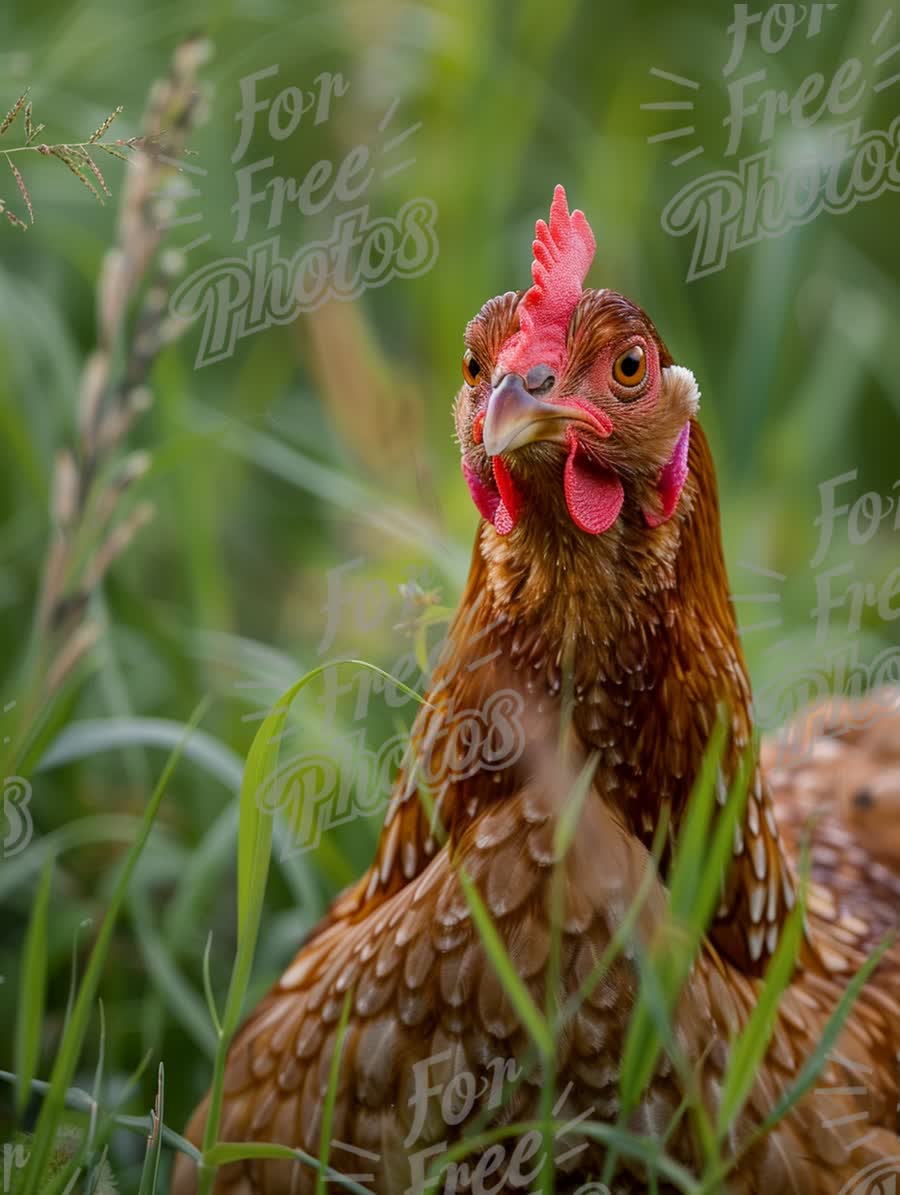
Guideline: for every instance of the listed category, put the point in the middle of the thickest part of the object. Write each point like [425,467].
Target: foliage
[327,441]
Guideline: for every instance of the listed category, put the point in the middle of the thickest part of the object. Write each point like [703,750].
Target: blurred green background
[327,442]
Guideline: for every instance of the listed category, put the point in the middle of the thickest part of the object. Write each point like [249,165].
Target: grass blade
[702,854]
[237,1151]
[750,1048]
[32,990]
[812,1067]
[331,1094]
[177,993]
[515,989]
[98,1073]
[150,1170]
[645,1151]
[207,987]
[810,1070]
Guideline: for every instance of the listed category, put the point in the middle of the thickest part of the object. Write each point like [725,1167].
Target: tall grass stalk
[93,517]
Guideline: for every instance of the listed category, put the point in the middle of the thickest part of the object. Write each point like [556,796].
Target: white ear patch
[681,389]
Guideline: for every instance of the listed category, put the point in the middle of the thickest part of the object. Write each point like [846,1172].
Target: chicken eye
[471,368]
[630,367]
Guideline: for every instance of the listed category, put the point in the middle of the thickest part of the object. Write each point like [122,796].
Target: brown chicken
[595,624]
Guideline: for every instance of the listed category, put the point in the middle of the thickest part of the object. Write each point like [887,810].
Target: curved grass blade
[207,986]
[237,1151]
[643,1150]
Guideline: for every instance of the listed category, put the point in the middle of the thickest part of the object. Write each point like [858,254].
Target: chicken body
[430,1027]
[595,625]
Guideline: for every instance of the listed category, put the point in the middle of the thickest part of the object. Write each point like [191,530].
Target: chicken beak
[515,417]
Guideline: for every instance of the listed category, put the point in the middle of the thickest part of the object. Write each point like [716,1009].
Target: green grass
[73,1038]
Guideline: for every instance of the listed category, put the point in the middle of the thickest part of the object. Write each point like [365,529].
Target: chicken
[595,625]
[835,775]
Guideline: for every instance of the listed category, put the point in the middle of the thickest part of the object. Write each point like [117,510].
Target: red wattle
[671,480]
[594,495]
[482,495]
[510,507]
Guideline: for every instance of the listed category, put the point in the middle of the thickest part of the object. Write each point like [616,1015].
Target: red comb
[563,253]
